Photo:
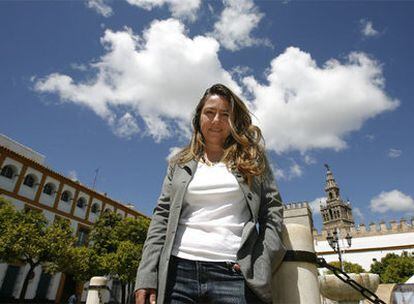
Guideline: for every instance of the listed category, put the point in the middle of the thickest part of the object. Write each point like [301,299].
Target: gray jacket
[261,249]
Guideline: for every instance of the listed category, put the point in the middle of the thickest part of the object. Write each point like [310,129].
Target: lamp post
[334,242]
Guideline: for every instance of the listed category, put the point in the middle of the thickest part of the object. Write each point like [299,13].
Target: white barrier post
[296,282]
[96,289]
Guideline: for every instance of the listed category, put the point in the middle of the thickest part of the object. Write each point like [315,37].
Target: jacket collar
[190,166]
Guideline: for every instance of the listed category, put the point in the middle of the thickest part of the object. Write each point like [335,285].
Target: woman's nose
[216,118]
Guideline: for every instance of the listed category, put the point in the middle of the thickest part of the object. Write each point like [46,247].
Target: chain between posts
[344,277]
[310,257]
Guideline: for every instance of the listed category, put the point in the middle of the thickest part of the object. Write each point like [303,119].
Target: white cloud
[367,28]
[370,137]
[237,20]
[79,67]
[279,173]
[393,200]
[210,8]
[158,77]
[155,79]
[394,153]
[358,214]
[126,126]
[185,9]
[309,160]
[241,71]
[304,106]
[73,175]
[100,6]
[316,203]
[295,170]
[172,152]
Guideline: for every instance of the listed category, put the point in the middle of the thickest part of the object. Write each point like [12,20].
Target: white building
[28,183]
[368,243]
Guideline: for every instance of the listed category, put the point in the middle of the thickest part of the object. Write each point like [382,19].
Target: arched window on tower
[81,203]
[8,172]
[95,208]
[330,195]
[29,180]
[66,196]
[49,189]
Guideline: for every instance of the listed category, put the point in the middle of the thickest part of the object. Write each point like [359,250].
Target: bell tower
[335,213]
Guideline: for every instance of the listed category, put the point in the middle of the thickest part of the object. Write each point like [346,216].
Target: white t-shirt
[213,216]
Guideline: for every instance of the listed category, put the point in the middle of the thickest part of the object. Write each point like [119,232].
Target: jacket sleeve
[147,274]
[266,250]
[271,220]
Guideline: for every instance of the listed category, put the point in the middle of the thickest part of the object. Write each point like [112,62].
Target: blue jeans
[206,282]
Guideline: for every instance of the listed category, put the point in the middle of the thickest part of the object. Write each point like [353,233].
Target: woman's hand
[142,295]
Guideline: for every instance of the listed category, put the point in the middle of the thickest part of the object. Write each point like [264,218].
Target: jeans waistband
[227,264]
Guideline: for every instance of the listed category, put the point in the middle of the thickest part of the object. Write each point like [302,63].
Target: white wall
[6,183]
[94,216]
[50,216]
[375,247]
[109,207]
[46,199]
[66,206]
[26,191]
[18,204]
[53,286]
[31,289]
[121,212]
[21,149]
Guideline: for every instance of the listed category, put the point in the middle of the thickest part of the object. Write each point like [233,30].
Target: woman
[215,232]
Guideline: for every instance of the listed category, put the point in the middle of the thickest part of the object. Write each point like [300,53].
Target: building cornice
[5,152]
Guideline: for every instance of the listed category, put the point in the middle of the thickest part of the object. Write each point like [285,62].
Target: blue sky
[112,85]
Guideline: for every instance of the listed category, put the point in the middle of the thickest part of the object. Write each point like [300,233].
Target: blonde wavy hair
[244,147]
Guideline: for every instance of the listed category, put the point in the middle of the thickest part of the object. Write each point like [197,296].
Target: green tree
[81,263]
[115,245]
[27,238]
[118,243]
[102,237]
[394,268]
[134,230]
[348,267]
[123,264]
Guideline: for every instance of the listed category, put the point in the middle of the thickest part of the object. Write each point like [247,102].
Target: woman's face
[214,120]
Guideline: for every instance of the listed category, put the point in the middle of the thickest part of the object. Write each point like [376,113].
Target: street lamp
[348,239]
[334,242]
